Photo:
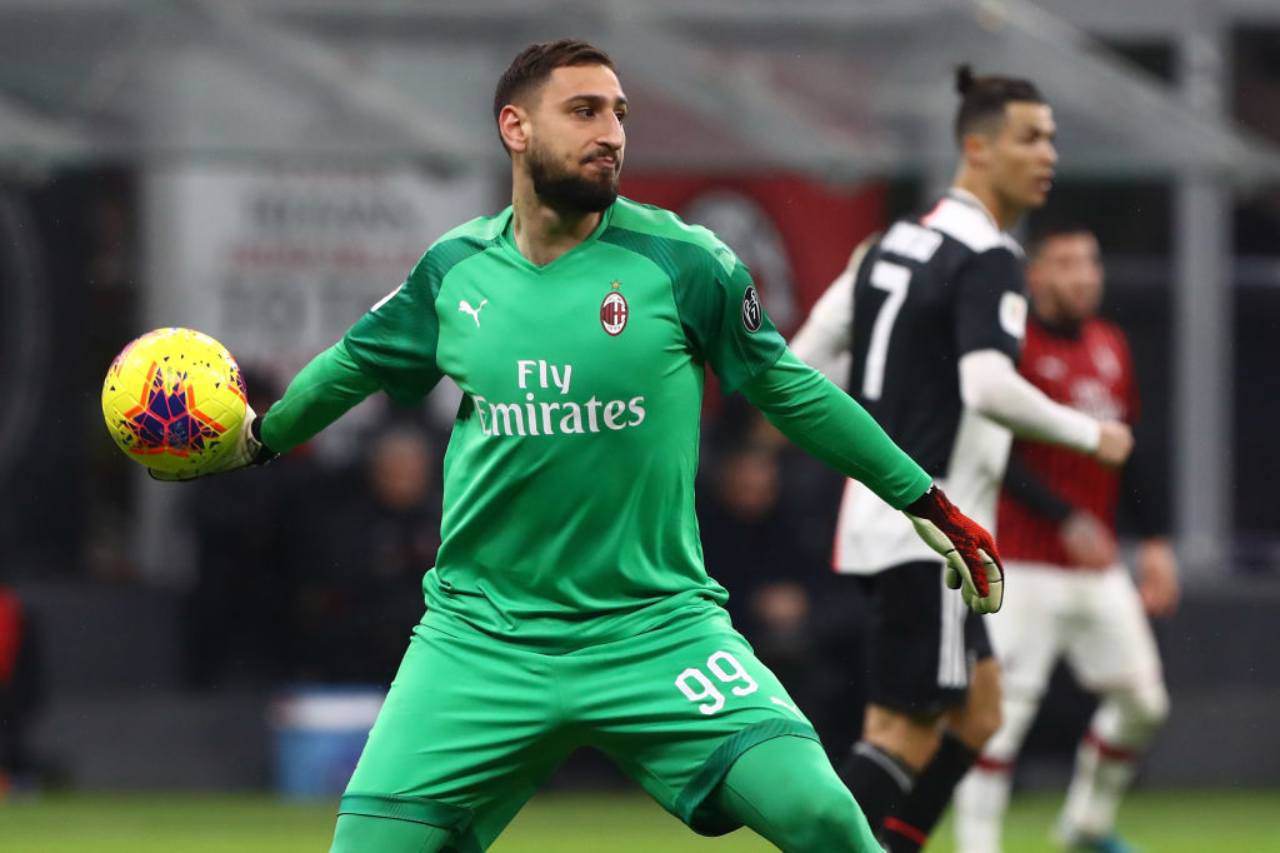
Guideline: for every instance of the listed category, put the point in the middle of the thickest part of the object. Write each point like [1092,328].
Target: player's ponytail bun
[983,98]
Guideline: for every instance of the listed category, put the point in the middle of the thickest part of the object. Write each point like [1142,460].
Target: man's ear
[977,149]
[513,124]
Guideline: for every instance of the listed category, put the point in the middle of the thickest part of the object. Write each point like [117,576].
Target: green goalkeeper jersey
[568,512]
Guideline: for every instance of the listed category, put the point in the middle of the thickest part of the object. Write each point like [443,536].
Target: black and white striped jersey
[925,293]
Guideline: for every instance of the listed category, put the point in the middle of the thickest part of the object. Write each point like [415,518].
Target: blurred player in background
[1071,596]
[356,604]
[22,694]
[933,314]
[569,605]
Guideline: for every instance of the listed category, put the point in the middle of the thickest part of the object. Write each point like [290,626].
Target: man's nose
[612,135]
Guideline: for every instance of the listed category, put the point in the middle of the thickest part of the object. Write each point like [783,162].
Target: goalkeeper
[569,605]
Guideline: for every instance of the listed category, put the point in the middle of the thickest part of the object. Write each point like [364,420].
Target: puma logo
[464,305]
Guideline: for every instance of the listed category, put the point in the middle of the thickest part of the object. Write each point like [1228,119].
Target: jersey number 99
[725,667]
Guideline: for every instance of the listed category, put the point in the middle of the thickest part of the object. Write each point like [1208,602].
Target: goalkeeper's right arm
[322,392]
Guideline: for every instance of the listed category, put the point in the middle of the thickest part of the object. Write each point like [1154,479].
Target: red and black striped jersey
[1090,370]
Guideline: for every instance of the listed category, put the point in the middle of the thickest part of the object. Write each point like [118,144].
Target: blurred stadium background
[189,668]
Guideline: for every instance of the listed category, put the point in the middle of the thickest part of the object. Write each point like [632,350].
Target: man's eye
[585,112]
[622,116]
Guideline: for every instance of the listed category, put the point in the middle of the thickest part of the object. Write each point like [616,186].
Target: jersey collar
[508,241]
[963,196]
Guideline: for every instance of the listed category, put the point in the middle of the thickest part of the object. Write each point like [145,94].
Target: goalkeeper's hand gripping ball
[247,449]
[174,401]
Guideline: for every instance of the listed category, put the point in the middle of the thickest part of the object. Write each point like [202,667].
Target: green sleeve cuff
[322,392]
[829,424]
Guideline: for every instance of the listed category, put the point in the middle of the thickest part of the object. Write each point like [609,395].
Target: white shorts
[1094,618]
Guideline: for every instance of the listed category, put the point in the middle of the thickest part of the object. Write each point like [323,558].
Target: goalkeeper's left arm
[817,416]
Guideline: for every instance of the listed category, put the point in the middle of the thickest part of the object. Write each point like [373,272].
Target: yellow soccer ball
[174,401]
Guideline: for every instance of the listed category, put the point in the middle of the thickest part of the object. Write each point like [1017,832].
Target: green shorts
[473,725]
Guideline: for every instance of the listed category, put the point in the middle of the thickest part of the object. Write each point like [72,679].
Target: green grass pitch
[1159,822]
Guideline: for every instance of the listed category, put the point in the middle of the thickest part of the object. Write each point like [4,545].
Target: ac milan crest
[614,312]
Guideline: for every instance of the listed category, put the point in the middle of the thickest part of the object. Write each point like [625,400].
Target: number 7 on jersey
[893,279]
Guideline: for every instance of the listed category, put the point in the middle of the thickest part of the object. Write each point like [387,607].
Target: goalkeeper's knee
[786,790]
[823,817]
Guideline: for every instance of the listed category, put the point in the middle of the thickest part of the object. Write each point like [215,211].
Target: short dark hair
[1042,234]
[533,65]
[983,98]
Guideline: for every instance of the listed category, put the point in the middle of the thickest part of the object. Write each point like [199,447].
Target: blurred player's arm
[1158,583]
[1143,495]
[1089,543]
[990,322]
[992,386]
[827,334]
[1085,538]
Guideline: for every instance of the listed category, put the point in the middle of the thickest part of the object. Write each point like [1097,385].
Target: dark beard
[571,193]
